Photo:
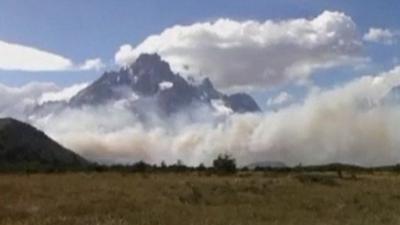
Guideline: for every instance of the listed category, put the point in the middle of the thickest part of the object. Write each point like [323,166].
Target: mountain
[22,144]
[150,81]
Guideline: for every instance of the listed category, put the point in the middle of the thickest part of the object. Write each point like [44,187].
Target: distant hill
[23,145]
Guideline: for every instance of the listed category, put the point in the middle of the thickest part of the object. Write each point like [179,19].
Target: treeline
[223,164]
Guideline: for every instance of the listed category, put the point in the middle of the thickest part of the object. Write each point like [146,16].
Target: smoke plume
[352,123]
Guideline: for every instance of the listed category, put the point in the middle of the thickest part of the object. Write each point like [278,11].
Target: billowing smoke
[352,123]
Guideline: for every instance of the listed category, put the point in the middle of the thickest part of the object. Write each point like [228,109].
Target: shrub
[179,166]
[201,167]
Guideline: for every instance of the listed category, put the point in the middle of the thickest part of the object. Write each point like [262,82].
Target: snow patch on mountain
[165,85]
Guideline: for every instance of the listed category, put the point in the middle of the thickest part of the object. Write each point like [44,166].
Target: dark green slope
[21,144]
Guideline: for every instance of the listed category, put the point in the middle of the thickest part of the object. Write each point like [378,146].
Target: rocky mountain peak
[151,77]
[151,61]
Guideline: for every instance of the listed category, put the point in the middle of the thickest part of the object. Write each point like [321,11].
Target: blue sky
[79,30]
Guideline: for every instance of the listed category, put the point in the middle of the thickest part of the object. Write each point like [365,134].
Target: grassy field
[190,198]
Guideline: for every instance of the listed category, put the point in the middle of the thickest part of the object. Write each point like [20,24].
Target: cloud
[24,58]
[92,64]
[125,55]
[240,54]
[20,102]
[379,35]
[18,57]
[280,99]
[62,94]
[15,101]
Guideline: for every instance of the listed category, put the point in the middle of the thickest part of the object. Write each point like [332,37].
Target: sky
[94,30]
[80,30]
[322,71]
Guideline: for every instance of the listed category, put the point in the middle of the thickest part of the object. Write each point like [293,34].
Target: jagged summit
[151,62]
[150,77]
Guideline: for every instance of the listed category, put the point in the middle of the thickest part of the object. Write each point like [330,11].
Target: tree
[163,166]
[179,163]
[225,163]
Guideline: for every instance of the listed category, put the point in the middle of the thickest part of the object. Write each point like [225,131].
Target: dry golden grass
[173,199]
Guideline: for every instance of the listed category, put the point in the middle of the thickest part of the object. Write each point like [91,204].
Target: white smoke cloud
[380,35]
[18,102]
[240,54]
[347,124]
[25,58]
